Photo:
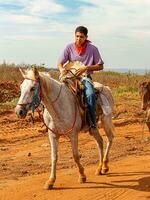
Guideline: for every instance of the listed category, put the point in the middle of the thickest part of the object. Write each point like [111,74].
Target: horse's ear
[36,73]
[140,84]
[22,72]
[148,84]
[49,74]
[143,84]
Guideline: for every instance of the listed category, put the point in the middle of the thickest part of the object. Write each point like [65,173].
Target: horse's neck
[49,89]
[59,102]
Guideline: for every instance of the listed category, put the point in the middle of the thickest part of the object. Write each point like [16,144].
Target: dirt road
[128,179]
[25,164]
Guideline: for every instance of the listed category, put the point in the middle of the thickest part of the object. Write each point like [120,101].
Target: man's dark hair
[82,29]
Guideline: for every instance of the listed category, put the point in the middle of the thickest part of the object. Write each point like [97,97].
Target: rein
[37,97]
[52,130]
[57,95]
[52,102]
[34,104]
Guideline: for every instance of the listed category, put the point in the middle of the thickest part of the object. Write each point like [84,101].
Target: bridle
[36,100]
[37,96]
[34,104]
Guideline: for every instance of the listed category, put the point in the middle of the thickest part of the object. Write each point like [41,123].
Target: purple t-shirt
[90,57]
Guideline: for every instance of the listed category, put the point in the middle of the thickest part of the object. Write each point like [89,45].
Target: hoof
[104,171]
[48,185]
[98,172]
[82,179]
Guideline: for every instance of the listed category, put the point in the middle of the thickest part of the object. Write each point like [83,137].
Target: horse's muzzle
[144,107]
[21,112]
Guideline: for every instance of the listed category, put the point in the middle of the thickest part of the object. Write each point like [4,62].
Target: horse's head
[30,92]
[144,90]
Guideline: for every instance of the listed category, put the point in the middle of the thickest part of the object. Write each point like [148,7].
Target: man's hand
[80,71]
[63,72]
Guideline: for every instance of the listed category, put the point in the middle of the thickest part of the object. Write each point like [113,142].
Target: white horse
[62,117]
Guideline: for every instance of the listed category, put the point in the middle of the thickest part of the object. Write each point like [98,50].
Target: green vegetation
[125,91]
[9,104]
[10,72]
[122,84]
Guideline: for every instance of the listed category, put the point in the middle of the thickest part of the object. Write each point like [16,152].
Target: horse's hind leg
[109,129]
[99,141]
[54,143]
[74,144]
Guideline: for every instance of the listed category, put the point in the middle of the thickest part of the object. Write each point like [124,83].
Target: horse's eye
[32,89]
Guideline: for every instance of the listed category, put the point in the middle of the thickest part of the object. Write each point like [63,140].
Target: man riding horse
[62,116]
[84,51]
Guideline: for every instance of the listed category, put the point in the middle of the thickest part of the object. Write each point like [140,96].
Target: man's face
[80,38]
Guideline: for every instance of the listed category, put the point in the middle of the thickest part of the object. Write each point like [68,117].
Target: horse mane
[47,80]
[44,76]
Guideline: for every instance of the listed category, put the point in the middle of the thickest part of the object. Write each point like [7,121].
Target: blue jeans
[91,102]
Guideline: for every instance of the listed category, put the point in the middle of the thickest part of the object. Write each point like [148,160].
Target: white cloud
[44,7]
[117,17]
[31,12]
[118,25]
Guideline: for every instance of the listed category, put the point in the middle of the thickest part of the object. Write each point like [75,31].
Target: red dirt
[8,91]
[25,164]
[25,160]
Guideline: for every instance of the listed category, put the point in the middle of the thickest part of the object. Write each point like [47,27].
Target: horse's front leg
[54,145]
[74,143]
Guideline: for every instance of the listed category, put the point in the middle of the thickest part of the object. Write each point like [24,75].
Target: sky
[37,31]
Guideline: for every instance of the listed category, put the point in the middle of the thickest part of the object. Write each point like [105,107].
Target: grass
[123,90]
[122,84]
[10,72]
[8,104]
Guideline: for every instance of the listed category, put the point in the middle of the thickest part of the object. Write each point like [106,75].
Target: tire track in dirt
[125,182]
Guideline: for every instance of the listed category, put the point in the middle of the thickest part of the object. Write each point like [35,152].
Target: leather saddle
[77,88]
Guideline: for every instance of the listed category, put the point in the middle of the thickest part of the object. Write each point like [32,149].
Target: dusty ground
[25,159]
[25,164]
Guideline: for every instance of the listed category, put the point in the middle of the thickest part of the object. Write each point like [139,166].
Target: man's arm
[95,67]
